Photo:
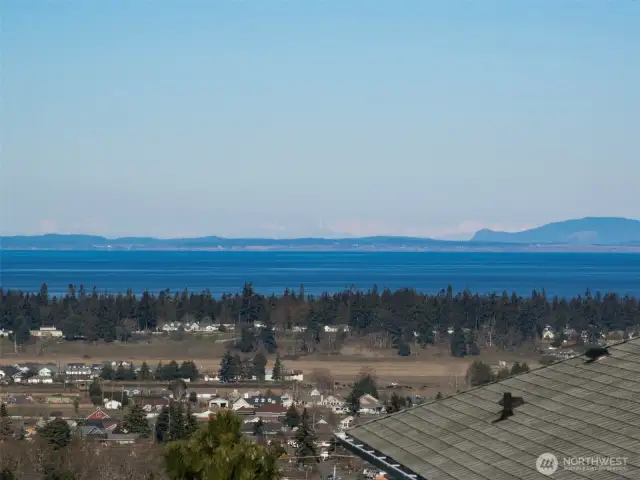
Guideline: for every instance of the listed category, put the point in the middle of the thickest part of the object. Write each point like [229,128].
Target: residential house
[74,369]
[113,405]
[257,401]
[295,375]
[299,329]
[98,414]
[205,393]
[44,332]
[346,422]
[310,399]
[548,333]
[90,431]
[219,403]
[5,333]
[370,405]
[271,411]
[331,401]
[48,371]
[211,377]
[40,379]
[153,404]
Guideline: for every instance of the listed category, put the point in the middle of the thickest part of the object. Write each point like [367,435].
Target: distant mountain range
[583,231]
[581,234]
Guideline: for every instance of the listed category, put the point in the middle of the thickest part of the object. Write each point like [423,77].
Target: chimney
[507,405]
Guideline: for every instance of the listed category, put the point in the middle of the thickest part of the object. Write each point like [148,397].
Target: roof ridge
[541,367]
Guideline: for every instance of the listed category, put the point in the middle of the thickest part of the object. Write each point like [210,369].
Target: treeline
[403,317]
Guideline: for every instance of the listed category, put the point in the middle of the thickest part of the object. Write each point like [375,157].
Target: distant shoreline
[319,249]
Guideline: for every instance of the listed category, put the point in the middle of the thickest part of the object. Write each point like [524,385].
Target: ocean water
[563,274]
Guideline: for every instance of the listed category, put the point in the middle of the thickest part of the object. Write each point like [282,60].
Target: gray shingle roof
[572,409]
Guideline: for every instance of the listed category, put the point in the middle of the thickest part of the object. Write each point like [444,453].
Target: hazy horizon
[282,120]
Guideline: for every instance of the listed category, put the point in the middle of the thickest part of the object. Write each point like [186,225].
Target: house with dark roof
[576,419]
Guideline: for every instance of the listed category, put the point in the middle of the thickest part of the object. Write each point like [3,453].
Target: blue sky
[274,118]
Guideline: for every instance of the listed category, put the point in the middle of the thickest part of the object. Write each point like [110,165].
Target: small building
[40,379]
[219,403]
[46,332]
[113,405]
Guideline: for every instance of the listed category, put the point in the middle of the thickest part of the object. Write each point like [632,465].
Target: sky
[316,118]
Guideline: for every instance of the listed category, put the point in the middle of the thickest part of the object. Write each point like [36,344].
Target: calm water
[220,272]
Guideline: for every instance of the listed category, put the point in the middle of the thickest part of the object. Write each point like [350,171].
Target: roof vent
[595,353]
[508,403]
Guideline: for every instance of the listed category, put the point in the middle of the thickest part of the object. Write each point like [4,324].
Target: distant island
[586,234]
[583,231]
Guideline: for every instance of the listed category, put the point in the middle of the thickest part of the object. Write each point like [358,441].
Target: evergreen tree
[162,426]
[227,372]
[191,422]
[258,430]
[95,392]
[130,373]
[121,374]
[305,438]
[268,337]
[479,373]
[177,425]
[458,343]
[364,385]
[144,373]
[108,373]
[6,431]
[396,403]
[292,417]
[171,371]
[277,369]
[258,366]
[189,370]
[159,373]
[57,433]
[220,452]
[135,421]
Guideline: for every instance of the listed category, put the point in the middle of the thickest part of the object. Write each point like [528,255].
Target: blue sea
[563,274]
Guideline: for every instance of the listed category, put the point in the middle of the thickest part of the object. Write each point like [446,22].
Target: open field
[432,366]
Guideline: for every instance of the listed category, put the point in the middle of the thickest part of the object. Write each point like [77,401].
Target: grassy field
[432,366]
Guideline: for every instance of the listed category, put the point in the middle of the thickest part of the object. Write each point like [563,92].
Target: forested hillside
[405,316]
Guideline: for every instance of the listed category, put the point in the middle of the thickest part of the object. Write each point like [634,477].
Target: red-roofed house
[98,415]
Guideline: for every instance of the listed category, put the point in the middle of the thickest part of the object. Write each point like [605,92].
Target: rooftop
[572,409]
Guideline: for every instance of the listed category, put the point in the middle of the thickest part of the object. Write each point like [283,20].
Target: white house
[346,422]
[40,379]
[330,401]
[45,372]
[112,405]
[370,405]
[295,375]
[5,333]
[331,328]
[43,332]
[299,329]
[211,377]
[191,327]
[548,333]
[77,369]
